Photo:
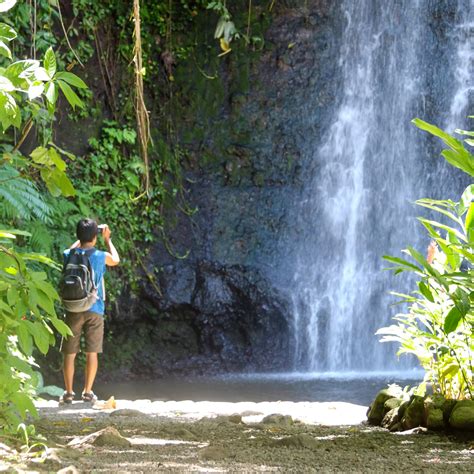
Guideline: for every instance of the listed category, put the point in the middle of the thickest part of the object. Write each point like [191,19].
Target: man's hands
[106,233]
[111,257]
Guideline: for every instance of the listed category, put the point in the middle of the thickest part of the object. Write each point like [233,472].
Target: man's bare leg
[92,363]
[68,371]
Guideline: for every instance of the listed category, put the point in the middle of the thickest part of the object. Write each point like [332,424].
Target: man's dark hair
[86,230]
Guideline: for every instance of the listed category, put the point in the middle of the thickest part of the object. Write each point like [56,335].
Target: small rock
[462,416]
[277,419]
[414,413]
[297,441]
[236,419]
[107,437]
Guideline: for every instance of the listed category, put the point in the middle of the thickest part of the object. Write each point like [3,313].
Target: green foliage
[439,326]
[28,93]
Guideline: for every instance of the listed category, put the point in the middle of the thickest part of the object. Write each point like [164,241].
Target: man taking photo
[89,321]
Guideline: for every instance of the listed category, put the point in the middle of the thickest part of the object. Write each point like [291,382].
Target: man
[90,322]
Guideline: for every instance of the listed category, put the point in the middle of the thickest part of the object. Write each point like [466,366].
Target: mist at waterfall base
[397,61]
[358,388]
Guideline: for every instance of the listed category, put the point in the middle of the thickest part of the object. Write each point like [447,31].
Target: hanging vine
[143,118]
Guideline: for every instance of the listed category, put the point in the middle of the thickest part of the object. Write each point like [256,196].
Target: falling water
[372,165]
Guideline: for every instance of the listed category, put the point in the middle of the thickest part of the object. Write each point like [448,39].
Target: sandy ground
[191,436]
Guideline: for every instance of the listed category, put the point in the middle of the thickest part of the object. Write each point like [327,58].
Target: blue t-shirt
[97,259]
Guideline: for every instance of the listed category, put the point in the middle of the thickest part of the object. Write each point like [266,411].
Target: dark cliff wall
[225,307]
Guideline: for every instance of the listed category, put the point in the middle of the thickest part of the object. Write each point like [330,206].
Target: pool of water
[351,387]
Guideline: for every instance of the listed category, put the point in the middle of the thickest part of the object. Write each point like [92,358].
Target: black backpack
[77,288]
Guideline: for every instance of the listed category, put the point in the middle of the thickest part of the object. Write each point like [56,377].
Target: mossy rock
[277,419]
[111,437]
[435,419]
[215,453]
[447,410]
[377,408]
[391,418]
[392,403]
[462,416]
[414,413]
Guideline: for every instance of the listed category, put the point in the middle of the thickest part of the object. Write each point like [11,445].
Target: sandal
[66,398]
[89,397]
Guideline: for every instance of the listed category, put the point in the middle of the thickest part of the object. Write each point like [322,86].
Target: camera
[100,228]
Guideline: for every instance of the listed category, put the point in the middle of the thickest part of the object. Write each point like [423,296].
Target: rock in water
[462,416]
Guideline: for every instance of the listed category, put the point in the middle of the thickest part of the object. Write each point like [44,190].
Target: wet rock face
[272,111]
[251,134]
[208,319]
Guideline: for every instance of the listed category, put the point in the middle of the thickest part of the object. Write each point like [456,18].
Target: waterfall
[397,62]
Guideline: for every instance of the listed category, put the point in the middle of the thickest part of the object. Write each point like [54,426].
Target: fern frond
[20,198]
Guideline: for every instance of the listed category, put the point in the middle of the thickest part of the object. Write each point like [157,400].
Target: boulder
[377,409]
[277,419]
[392,403]
[434,418]
[107,437]
[462,416]
[414,413]
[297,441]
[391,418]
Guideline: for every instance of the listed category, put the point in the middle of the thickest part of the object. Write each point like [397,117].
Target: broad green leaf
[447,228]
[61,327]
[5,50]
[6,235]
[6,5]
[466,199]
[42,75]
[7,32]
[425,291]
[40,155]
[50,62]
[45,302]
[56,159]
[452,320]
[51,93]
[469,133]
[71,79]
[432,206]
[451,370]
[24,404]
[70,95]
[12,296]
[401,261]
[41,338]
[469,222]
[35,90]
[16,232]
[25,339]
[20,70]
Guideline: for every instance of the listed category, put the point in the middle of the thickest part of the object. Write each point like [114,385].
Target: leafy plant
[29,92]
[439,326]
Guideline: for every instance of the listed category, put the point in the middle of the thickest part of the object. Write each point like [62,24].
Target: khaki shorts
[92,324]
